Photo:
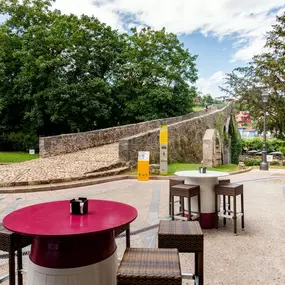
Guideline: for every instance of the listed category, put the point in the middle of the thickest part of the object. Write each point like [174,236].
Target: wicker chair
[185,191]
[11,242]
[186,237]
[173,182]
[153,266]
[229,190]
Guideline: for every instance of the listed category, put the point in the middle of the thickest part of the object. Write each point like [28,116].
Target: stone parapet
[185,139]
[61,144]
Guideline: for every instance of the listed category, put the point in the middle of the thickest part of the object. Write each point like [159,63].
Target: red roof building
[243,117]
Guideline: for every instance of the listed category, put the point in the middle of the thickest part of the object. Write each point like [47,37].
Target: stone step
[117,164]
[110,172]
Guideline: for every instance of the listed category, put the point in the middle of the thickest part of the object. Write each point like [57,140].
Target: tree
[153,80]
[63,73]
[54,70]
[266,69]
[206,100]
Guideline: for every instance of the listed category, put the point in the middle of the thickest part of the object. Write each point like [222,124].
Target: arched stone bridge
[92,154]
[185,137]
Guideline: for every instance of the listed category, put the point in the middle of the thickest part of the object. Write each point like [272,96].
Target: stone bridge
[110,151]
[185,137]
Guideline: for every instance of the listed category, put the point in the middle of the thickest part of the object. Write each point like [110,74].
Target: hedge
[256,143]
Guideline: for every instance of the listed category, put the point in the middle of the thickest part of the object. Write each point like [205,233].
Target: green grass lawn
[173,167]
[198,108]
[7,157]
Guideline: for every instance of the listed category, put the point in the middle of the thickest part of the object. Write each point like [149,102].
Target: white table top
[197,174]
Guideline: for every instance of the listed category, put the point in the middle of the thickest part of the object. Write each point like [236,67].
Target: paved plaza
[255,256]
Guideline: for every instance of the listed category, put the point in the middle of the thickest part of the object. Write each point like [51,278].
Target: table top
[54,218]
[197,174]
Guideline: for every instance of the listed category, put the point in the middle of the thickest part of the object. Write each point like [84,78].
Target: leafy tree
[267,69]
[153,81]
[54,70]
[207,100]
[63,73]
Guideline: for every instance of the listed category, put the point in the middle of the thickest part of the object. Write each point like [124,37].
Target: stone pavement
[255,256]
[61,166]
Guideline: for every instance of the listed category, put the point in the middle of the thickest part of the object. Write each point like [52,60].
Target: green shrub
[236,146]
[256,143]
[22,142]
[274,162]
[252,162]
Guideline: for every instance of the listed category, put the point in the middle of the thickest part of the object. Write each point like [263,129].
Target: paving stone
[59,168]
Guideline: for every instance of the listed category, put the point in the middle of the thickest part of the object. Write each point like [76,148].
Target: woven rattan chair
[185,191]
[229,190]
[186,237]
[150,266]
[11,243]
[173,182]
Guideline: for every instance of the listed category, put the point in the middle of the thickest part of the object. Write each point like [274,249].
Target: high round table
[207,182]
[71,249]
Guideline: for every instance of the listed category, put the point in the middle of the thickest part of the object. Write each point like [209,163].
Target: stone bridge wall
[55,145]
[185,139]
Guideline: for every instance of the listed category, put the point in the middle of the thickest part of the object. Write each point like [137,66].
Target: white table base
[207,194]
[101,273]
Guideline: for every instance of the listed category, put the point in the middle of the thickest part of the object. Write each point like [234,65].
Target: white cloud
[211,84]
[245,20]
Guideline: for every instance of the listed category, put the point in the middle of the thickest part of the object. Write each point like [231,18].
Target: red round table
[71,249]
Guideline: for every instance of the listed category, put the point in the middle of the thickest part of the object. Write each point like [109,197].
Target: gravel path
[61,166]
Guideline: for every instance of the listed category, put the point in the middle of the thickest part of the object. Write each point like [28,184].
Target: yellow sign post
[143,166]
[163,139]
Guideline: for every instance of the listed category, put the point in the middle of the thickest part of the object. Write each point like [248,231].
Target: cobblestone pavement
[61,166]
[255,256]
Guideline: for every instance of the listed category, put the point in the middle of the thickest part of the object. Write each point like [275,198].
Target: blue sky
[223,33]
[213,55]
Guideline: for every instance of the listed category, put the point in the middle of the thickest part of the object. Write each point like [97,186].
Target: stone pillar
[211,148]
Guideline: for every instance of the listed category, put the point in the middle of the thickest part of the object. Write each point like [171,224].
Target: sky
[223,33]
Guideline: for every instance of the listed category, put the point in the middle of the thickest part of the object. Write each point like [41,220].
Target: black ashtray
[79,206]
[202,169]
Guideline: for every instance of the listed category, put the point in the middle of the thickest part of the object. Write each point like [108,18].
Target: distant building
[225,98]
[243,117]
[247,132]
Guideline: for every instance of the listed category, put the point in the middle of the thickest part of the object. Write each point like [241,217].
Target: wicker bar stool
[11,242]
[224,181]
[185,191]
[173,182]
[229,190]
[155,266]
[186,237]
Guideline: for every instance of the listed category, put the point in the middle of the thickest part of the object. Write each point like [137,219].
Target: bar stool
[186,237]
[229,190]
[11,242]
[125,229]
[153,266]
[224,181]
[185,191]
[172,182]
